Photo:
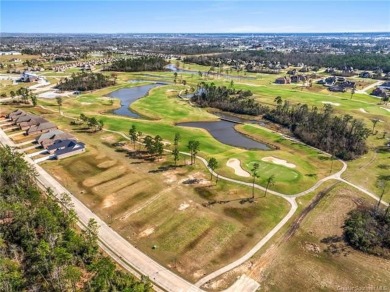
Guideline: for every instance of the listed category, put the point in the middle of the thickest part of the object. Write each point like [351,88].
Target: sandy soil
[183,206]
[387,109]
[236,165]
[331,103]
[146,232]
[53,94]
[107,164]
[278,161]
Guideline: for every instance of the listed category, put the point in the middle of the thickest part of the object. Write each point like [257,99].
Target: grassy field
[162,104]
[299,259]
[323,266]
[148,203]
[152,206]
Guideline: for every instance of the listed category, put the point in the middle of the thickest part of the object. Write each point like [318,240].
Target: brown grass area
[143,201]
[306,264]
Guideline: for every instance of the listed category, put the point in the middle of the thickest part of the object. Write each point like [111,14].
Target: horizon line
[222,32]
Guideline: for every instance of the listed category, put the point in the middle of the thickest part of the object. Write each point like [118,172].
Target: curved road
[133,259]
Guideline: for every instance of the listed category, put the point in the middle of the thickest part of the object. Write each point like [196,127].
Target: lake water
[225,133]
[128,95]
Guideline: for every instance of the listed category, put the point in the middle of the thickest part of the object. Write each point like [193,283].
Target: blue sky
[193,16]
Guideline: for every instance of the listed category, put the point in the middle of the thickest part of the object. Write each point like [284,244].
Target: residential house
[337,88]
[28,77]
[283,80]
[15,114]
[329,81]
[365,74]
[298,78]
[66,148]
[380,92]
[28,120]
[292,72]
[41,128]
[385,85]
[49,138]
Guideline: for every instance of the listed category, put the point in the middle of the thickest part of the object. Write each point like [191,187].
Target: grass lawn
[152,207]
[162,103]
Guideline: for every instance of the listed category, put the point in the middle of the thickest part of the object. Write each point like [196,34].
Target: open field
[299,259]
[149,206]
[323,266]
[163,104]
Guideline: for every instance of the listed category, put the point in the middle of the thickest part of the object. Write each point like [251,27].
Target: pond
[224,132]
[128,95]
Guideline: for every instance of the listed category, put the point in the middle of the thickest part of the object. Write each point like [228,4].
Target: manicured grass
[163,103]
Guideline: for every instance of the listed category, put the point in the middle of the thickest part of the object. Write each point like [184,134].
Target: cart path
[127,254]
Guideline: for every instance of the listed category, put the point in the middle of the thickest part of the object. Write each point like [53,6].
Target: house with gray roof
[49,138]
[28,120]
[41,128]
[15,114]
[65,148]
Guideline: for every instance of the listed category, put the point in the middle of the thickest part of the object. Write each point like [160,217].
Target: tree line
[85,81]
[361,61]
[145,63]
[40,247]
[341,136]
[226,99]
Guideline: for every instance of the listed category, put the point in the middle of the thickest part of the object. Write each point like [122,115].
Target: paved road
[271,233]
[111,241]
[125,253]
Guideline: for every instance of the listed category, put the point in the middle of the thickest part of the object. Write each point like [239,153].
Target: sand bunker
[331,103]
[236,165]
[363,110]
[278,161]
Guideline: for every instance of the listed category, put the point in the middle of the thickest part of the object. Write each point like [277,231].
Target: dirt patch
[108,201]
[311,247]
[107,164]
[331,103]
[146,232]
[278,161]
[386,109]
[236,165]
[363,110]
[183,206]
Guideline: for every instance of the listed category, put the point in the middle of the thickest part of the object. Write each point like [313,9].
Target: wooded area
[227,99]
[342,136]
[85,81]
[151,63]
[361,61]
[40,247]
